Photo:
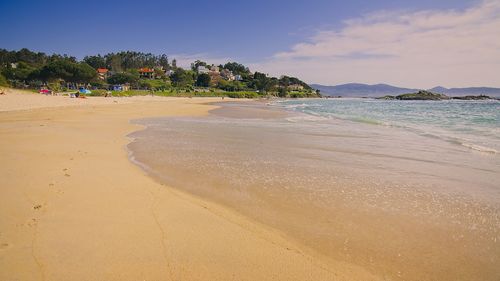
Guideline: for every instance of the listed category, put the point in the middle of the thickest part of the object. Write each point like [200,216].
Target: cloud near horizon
[419,49]
[185,60]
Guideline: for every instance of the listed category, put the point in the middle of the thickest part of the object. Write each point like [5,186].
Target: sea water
[474,124]
[406,190]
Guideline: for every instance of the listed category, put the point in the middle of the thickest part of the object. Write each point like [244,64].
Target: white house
[202,69]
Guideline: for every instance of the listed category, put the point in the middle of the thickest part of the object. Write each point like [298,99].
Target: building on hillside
[202,69]
[295,87]
[214,68]
[169,72]
[147,73]
[215,77]
[238,77]
[102,73]
[227,74]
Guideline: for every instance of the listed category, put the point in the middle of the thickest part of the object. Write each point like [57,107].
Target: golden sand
[73,207]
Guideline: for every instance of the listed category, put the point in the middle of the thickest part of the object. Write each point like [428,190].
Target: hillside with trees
[138,72]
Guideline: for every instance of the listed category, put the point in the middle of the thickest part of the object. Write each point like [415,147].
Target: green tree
[260,81]
[203,80]
[282,92]
[84,73]
[115,62]
[236,68]
[230,86]
[163,62]
[21,72]
[3,81]
[68,71]
[160,73]
[196,64]
[181,78]
[95,61]
[123,78]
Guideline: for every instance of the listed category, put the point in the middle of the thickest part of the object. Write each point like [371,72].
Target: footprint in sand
[36,207]
[4,246]
[29,223]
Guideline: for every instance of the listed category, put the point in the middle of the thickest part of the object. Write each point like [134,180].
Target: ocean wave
[366,120]
[479,148]
[308,117]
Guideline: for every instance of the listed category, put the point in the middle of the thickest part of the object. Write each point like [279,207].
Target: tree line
[33,69]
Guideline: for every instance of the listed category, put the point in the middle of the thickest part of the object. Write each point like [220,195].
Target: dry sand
[73,207]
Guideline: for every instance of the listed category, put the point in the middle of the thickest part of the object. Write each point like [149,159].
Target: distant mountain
[378,90]
[361,90]
[493,92]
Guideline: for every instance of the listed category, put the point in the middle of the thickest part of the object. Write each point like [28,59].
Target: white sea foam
[469,124]
[479,148]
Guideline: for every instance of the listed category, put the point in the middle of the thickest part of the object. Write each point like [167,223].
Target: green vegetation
[182,78]
[420,95]
[142,73]
[156,84]
[127,60]
[480,97]
[3,81]
[203,80]
[247,95]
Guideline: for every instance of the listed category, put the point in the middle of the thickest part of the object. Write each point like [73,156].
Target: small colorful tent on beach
[84,91]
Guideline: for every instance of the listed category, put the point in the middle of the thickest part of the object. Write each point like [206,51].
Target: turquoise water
[474,124]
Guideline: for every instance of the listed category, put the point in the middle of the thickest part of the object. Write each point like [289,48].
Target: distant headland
[427,95]
[380,90]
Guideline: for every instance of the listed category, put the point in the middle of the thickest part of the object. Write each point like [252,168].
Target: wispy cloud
[185,60]
[410,48]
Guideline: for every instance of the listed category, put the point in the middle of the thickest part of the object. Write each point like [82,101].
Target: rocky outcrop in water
[426,95]
[480,97]
[422,95]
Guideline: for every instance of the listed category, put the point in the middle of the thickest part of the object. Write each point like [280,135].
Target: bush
[243,95]
[55,86]
[3,81]
[156,84]
[122,78]
[98,93]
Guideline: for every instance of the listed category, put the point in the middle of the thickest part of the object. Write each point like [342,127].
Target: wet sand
[339,191]
[248,109]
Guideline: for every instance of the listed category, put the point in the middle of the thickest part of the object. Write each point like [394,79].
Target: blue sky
[248,30]
[252,32]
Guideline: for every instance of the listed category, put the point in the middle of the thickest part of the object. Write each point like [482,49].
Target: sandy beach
[73,207]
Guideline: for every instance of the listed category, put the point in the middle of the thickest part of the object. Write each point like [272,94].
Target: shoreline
[351,224]
[87,213]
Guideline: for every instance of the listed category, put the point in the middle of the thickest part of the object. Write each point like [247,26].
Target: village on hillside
[135,73]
